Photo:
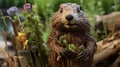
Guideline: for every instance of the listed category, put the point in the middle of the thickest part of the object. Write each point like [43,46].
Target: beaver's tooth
[67,26]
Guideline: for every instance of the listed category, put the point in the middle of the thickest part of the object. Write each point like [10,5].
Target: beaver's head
[70,17]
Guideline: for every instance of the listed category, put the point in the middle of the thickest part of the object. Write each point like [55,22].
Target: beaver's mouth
[70,25]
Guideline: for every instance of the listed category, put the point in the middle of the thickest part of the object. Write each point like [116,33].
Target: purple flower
[11,11]
[27,6]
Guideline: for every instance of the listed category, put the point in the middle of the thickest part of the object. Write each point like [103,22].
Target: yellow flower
[22,37]
[25,44]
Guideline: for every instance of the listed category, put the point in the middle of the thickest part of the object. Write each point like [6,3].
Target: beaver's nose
[69,17]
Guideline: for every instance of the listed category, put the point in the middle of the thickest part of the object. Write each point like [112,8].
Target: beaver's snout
[69,17]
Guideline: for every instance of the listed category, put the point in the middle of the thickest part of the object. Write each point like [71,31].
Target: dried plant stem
[6,53]
[4,37]
[5,23]
[14,27]
[3,52]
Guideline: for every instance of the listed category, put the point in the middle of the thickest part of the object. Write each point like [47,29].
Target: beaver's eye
[80,8]
[61,10]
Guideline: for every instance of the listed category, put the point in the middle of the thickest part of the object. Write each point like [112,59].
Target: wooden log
[34,50]
[26,55]
[106,53]
[107,48]
[16,62]
[23,61]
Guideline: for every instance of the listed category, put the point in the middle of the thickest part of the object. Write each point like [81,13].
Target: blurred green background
[46,8]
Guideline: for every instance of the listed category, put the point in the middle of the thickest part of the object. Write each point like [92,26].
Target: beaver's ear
[60,6]
[79,9]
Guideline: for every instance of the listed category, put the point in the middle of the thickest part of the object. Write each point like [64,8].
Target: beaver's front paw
[65,53]
[83,56]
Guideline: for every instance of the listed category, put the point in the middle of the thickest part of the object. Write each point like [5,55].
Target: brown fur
[76,32]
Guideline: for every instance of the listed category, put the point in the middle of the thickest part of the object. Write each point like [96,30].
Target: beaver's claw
[83,56]
[67,52]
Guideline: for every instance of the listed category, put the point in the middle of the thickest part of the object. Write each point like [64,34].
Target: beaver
[70,41]
[109,23]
